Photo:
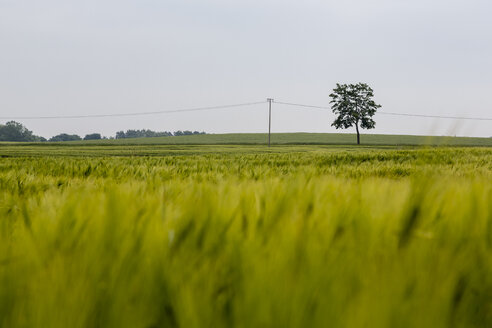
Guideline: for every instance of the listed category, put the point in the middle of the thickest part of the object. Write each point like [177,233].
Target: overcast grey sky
[91,57]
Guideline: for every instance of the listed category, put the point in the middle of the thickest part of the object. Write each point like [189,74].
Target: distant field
[297,138]
[157,150]
[308,138]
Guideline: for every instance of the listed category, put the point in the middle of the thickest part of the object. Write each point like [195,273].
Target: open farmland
[301,139]
[245,236]
[340,139]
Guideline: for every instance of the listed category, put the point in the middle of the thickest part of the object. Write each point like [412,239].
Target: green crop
[223,236]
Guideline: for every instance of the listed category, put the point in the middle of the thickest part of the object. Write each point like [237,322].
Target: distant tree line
[152,134]
[14,131]
[74,137]
[141,134]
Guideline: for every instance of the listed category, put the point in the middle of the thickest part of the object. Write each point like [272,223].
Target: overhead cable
[195,109]
[393,113]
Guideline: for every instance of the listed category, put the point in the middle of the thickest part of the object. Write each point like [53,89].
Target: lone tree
[354,106]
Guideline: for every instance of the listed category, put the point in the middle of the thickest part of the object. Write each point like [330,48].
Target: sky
[62,57]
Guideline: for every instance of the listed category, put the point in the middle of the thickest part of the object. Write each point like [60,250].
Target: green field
[295,138]
[307,138]
[245,235]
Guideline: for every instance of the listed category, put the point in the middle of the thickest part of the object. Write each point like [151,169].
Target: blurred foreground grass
[311,237]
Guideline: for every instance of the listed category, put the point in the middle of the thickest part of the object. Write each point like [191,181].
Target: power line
[392,113]
[231,106]
[195,109]
[438,116]
[301,105]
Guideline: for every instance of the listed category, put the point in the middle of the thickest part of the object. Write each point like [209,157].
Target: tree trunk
[358,134]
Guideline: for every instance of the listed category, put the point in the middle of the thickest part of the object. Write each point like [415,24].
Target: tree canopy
[14,131]
[354,106]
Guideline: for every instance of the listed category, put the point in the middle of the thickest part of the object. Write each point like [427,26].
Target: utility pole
[270,100]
